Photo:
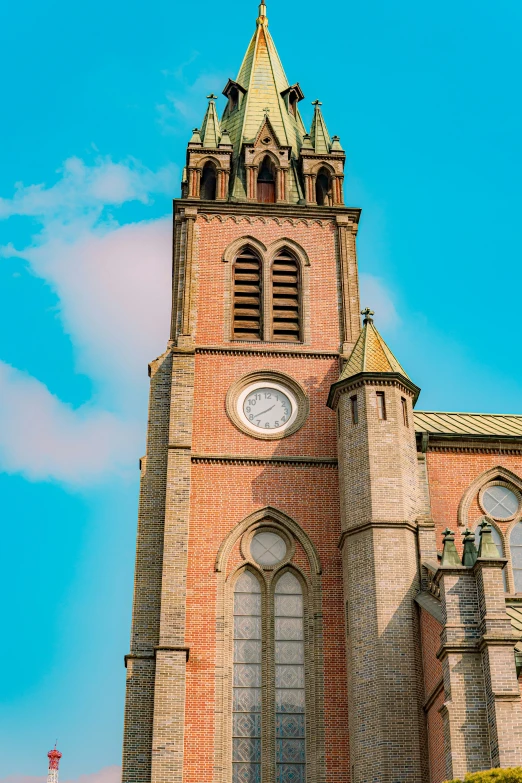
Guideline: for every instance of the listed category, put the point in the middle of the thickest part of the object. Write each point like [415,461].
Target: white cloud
[114,289]
[105,775]
[43,438]
[87,190]
[376,296]
[113,284]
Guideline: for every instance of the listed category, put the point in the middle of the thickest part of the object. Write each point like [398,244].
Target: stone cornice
[370,378]
[245,459]
[266,350]
[471,444]
[376,523]
[280,210]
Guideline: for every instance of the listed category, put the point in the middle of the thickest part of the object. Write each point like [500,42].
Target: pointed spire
[307,142]
[487,547]
[261,83]
[469,555]
[225,140]
[450,556]
[319,132]
[210,130]
[370,353]
[336,145]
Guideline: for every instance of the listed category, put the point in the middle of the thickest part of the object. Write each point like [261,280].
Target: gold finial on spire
[367,315]
[316,103]
[211,97]
[262,17]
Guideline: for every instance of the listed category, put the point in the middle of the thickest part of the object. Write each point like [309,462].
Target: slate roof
[499,425]
[371,354]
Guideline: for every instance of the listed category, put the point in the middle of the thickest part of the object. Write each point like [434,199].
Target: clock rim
[270,378]
[267,385]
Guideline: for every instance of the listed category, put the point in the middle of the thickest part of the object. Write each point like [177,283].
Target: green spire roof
[262,79]
[210,130]
[370,353]
[321,141]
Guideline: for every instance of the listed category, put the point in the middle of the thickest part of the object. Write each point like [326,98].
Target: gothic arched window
[247,296]
[208,182]
[266,184]
[247,681]
[286,326]
[323,188]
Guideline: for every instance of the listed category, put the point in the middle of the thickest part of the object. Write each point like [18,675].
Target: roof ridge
[469,413]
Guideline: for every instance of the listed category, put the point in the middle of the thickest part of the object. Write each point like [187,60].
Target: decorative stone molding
[303,407]
[294,462]
[499,475]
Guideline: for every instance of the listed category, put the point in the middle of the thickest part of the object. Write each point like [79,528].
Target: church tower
[239,669]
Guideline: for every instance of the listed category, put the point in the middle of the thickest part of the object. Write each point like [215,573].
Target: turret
[209,154]
[374,400]
[322,163]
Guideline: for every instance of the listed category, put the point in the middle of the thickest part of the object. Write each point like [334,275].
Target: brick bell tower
[237,671]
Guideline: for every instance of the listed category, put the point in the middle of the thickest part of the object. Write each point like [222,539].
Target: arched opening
[233,99]
[208,182]
[266,186]
[323,188]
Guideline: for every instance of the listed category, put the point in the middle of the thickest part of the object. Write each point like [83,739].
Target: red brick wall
[318,242]
[449,477]
[223,495]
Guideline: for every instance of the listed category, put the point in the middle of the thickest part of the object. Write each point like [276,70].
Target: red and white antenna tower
[54,757]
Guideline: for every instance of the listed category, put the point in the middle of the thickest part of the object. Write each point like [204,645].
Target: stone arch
[323,164]
[268,512]
[209,159]
[263,153]
[499,473]
[231,251]
[294,247]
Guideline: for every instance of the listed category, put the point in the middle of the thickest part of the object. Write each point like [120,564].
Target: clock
[267,407]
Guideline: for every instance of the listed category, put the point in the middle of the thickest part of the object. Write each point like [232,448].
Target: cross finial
[266,110]
[316,103]
[367,315]
[211,97]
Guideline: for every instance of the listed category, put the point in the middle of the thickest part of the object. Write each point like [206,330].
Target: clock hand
[268,409]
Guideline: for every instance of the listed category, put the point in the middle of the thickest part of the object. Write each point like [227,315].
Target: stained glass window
[515,545]
[289,681]
[246,728]
[500,502]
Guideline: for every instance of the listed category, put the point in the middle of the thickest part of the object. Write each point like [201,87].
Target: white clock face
[267,407]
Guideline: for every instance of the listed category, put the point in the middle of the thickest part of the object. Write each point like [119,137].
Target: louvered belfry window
[286,325]
[247,297]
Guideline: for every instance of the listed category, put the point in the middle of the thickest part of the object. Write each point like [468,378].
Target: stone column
[497,644]
[171,652]
[464,712]
[187,278]
[140,663]
[350,307]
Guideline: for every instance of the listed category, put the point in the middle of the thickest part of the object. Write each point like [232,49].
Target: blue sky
[98,101]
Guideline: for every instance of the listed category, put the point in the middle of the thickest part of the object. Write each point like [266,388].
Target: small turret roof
[210,129]
[319,132]
[370,353]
